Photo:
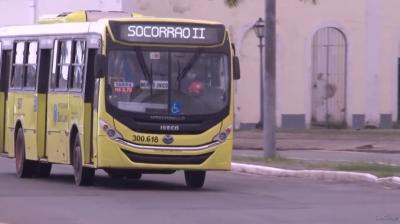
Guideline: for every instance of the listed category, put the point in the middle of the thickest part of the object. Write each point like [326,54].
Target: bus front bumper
[124,155]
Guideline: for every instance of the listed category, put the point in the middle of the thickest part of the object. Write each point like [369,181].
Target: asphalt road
[226,198]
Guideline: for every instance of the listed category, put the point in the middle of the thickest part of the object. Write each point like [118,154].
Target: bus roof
[98,26]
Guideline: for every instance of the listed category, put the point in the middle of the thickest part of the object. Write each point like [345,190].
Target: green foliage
[232,3]
[311,1]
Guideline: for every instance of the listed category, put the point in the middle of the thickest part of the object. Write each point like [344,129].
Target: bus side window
[31,65]
[63,59]
[1,72]
[91,89]
[18,66]
[56,59]
[79,65]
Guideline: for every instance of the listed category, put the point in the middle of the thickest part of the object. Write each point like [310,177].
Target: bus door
[76,104]
[80,110]
[57,103]
[26,98]
[5,72]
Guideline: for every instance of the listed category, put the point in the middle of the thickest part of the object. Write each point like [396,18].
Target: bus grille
[167,159]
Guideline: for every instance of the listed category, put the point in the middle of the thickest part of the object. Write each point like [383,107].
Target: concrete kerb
[313,174]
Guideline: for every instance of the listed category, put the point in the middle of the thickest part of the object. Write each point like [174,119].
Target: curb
[313,174]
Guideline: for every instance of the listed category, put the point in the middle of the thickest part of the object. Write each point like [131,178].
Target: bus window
[18,71]
[79,65]
[56,57]
[32,65]
[1,73]
[64,64]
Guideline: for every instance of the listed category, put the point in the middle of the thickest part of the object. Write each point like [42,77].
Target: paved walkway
[377,146]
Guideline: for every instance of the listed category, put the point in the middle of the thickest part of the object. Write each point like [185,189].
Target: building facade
[338,61]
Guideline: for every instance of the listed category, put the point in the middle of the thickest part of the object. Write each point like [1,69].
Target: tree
[312,1]
[232,3]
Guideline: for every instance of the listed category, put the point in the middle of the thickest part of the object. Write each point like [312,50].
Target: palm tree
[234,3]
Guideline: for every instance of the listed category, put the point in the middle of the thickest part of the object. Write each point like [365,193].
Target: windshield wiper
[148,75]
[182,74]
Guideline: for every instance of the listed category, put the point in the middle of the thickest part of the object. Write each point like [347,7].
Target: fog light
[223,135]
[111,132]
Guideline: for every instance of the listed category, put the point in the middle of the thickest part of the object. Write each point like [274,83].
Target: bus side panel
[2,121]
[10,125]
[87,133]
[95,137]
[76,117]
[41,125]
[26,113]
[57,128]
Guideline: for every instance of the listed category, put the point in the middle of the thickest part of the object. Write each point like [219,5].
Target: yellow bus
[121,92]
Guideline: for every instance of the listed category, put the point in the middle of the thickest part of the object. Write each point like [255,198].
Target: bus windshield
[168,82]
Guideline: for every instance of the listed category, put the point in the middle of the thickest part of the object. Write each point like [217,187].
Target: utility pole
[270,80]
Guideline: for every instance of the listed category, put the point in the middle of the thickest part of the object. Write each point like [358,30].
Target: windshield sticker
[196,88]
[155,55]
[123,87]
[157,84]
[176,107]
[141,107]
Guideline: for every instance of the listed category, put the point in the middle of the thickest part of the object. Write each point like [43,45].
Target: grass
[379,170]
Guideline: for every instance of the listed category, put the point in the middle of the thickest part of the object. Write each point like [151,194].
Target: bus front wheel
[83,176]
[195,179]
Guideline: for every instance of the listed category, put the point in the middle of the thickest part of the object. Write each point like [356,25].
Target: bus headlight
[109,130]
[223,135]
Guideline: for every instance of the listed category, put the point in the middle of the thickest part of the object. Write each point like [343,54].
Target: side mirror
[100,66]
[236,68]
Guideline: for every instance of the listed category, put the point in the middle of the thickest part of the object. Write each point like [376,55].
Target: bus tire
[133,175]
[195,179]
[43,170]
[114,174]
[24,168]
[83,176]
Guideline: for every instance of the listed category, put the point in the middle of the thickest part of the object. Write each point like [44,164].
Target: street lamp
[259,29]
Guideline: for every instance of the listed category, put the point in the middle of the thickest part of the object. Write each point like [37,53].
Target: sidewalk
[370,146]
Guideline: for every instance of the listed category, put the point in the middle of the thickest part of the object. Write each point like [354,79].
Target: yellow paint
[25,114]
[2,121]
[110,155]
[78,16]
[57,127]
[41,126]
[10,125]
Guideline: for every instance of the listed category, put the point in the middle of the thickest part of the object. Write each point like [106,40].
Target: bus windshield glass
[168,82]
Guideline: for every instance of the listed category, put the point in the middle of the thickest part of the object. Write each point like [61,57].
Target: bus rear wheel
[24,168]
[195,179]
[83,176]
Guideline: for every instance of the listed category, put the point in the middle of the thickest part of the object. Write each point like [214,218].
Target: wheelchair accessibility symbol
[176,107]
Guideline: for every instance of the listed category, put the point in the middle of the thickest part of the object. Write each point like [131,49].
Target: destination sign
[168,33]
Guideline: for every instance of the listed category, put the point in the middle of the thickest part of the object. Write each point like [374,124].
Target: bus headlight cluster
[109,130]
[223,135]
